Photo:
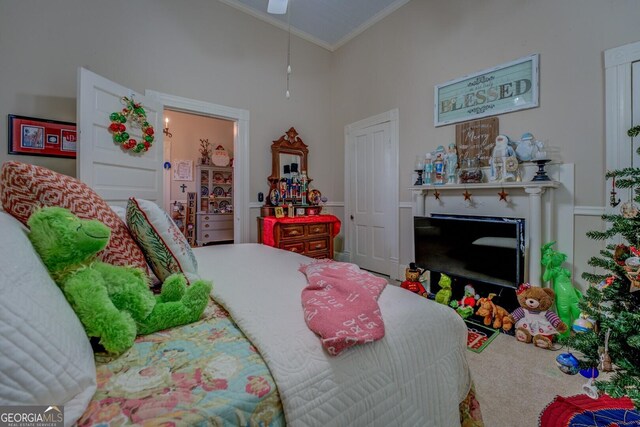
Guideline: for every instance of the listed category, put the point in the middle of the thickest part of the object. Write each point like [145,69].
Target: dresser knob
[294,249]
[206,236]
[206,218]
[315,230]
[319,245]
[294,232]
[206,226]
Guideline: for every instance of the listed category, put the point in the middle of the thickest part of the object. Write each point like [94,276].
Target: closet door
[114,173]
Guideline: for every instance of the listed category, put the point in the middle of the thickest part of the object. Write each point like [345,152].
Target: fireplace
[486,252]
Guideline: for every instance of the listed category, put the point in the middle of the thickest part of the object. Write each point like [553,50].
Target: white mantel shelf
[487,185]
[533,190]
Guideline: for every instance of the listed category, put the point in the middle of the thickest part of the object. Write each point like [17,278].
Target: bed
[416,375]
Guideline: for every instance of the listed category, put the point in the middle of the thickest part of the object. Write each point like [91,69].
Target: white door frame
[392,222]
[618,111]
[241,229]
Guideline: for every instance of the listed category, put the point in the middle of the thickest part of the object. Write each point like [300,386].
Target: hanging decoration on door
[135,114]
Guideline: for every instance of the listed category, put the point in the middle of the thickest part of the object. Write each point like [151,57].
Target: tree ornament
[605,364]
[582,324]
[132,112]
[589,388]
[629,209]
[567,363]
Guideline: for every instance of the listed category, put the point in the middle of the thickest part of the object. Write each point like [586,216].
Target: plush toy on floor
[444,294]
[533,320]
[464,307]
[493,314]
[113,303]
[412,282]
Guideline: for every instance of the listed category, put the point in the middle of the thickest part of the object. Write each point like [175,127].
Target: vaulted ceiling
[327,23]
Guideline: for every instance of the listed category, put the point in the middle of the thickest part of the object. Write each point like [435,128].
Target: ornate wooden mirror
[288,155]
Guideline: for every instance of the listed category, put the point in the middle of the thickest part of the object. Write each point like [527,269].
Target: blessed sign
[476,139]
[508,87]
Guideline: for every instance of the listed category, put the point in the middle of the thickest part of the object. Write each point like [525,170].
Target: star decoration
[503,195]
[436,194]
[467,195]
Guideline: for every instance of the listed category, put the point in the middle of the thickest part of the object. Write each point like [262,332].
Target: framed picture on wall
[183,170]
[41,137]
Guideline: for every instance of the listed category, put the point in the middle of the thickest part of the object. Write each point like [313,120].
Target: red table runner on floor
[271,221]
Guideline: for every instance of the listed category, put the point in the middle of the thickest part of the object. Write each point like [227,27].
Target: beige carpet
[515,381]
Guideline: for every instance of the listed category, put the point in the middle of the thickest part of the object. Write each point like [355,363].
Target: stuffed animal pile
[113,303]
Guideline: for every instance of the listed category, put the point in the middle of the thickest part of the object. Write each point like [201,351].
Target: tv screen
[483,249]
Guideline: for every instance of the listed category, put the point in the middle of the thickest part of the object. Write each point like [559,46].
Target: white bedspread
[415,376]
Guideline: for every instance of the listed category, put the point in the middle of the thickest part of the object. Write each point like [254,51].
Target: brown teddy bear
[412,282]
[533,320]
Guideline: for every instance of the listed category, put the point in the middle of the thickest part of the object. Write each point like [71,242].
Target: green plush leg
[173,288]
[174,313]
[128,289]
[90,300]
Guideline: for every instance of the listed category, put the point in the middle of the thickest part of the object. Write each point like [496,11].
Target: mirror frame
[289,143]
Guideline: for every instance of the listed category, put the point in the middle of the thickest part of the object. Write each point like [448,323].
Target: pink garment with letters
[341,304]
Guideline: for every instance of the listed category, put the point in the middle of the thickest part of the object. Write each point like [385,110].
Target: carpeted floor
[515,381]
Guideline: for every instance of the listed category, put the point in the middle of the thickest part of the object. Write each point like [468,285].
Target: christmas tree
[611,303]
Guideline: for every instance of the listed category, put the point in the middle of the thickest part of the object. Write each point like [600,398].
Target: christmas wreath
[134,113]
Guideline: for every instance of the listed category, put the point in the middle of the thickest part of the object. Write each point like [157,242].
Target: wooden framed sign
[508,87]
[476,139]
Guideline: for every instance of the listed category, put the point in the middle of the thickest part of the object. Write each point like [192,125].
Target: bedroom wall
[397,62]
[200,49]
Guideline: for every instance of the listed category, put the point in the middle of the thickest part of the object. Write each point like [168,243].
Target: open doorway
[240,181]
[199,168]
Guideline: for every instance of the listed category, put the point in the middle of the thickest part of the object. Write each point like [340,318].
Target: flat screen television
[480,249]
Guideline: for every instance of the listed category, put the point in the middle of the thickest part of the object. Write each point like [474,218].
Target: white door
[113,173]
[369,192]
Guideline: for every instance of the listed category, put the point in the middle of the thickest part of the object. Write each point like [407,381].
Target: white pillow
[120,211]
[45,355]
[165,247]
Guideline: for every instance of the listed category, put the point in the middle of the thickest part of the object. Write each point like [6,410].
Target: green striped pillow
[165,247]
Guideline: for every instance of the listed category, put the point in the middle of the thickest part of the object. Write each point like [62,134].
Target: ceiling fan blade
[277,7]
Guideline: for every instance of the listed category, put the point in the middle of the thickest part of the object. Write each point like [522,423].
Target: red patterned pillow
[25,187]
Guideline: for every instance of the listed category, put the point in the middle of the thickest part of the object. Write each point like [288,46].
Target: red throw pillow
[25,187]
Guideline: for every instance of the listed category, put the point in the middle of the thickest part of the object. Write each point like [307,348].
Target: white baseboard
[342,256]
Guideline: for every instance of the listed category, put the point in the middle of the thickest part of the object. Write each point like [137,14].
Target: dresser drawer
[291,231]
[215,217]
[216,225]
[297,247]
[317,244]
[315,229]
[216,235]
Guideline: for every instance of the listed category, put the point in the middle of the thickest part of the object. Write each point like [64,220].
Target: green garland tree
[610,302]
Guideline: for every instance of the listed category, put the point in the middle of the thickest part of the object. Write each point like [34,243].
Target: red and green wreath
[134,113]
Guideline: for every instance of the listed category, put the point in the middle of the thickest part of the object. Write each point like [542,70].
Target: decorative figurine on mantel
[528,148]
[428,168]
[503,162]
[452,163]
[439,165]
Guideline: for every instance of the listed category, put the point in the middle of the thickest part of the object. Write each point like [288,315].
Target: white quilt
[415,376]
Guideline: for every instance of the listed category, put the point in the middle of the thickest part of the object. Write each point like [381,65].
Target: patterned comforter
[202,374]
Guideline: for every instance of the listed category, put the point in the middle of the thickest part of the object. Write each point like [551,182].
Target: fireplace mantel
[533,200]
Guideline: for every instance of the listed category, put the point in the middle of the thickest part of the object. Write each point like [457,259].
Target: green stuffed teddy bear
[113,303]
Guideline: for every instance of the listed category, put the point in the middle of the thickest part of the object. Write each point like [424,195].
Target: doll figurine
[452,163]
